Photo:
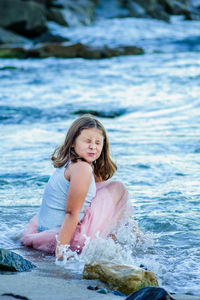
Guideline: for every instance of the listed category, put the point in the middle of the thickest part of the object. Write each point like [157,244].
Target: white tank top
[52,210]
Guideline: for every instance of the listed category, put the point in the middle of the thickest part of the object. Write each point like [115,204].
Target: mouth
[91,154]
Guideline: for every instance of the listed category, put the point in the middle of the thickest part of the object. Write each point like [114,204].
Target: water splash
[129,245]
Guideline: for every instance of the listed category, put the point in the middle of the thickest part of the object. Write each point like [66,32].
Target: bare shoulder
[81,168]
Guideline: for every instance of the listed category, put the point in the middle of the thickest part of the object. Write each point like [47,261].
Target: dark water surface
[155,139]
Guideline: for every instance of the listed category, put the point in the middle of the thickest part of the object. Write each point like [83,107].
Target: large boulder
[7,37]
[27,18]
[123,278]
[10,261]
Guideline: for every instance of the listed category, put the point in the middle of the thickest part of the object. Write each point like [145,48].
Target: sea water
[155,140]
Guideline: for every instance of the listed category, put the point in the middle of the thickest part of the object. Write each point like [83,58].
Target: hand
[61,252]
[59,255]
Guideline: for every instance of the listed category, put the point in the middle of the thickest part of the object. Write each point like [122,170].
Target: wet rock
[10,261]
[117,293]
[161,9]
[48,37]
[56,15]
[150,293]
[56,3]
[69,50]
[145,9]
[56,50]
[102,291]
[102,114]
[14,296]
[79,12]
[93,287]
[143,267]
[136,10]
[43,2]
[8,68]
[153,9]
[159,13]
[12,52]
[123,278]
[184,7]
[27,18]
[8,37]
[106,52]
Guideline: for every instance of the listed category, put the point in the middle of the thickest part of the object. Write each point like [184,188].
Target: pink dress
[102,217]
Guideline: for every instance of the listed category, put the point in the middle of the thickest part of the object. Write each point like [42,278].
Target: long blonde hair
[104,167]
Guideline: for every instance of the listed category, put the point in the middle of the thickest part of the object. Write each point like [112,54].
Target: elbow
[72,213]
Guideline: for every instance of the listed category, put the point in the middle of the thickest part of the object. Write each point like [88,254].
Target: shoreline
[49,281]
[50,288]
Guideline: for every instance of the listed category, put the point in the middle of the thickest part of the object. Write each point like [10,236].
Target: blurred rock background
[25,23]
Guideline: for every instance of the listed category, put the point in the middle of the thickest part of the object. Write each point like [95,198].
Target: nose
[92,146]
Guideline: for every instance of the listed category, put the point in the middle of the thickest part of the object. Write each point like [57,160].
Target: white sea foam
[129,245]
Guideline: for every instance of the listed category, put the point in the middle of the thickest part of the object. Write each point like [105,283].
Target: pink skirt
[102,218]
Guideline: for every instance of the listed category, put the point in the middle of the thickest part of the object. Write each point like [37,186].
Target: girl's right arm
[80,176]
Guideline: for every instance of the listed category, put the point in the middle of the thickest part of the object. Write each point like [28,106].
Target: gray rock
[162,9]
[8,37]
[178,7]
[159,13]
[48,37]
[181,7]
[10,261]
[78,12]
[150,293]
[112,9]
[136,10]
[148,5]
[56,15]
[27,18]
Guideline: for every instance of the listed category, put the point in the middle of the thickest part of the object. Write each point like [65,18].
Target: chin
[90,160]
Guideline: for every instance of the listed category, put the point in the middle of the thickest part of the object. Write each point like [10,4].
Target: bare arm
[80,179]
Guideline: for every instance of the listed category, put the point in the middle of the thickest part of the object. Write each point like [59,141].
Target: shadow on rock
[150,293]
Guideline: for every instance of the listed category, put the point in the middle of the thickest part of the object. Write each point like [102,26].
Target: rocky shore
[37,277]
[33,287]
[25,31]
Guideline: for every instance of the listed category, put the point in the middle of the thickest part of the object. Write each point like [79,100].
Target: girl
[78,200]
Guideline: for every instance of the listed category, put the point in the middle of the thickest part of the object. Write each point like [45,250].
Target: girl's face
[89,144]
